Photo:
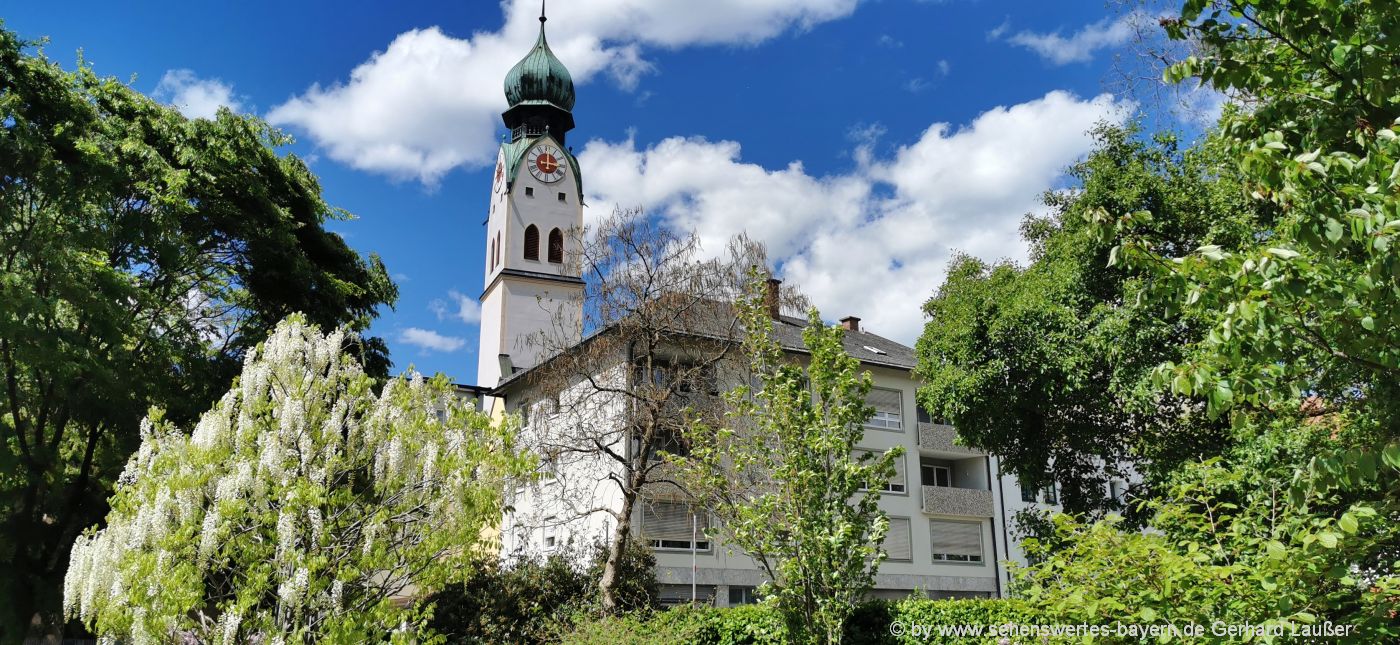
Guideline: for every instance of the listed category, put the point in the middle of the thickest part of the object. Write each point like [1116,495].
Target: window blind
[955,538]
[669,521]
[898,542]
[884,400]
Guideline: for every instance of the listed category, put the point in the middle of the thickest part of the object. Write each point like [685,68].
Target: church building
[948,505]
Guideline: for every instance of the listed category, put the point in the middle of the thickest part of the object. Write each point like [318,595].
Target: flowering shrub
[303,507]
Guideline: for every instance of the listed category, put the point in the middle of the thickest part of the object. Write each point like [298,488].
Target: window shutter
[899,472]
[956,538]
[532,242]
[884,400]
[897,541]
[668,521]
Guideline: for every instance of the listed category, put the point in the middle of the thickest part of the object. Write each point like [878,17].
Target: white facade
[526,294]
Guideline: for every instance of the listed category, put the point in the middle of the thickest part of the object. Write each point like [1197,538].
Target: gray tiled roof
[788,330]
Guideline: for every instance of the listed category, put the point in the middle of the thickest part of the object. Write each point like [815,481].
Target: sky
[865,142]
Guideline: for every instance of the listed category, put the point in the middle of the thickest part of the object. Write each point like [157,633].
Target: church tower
[536,206]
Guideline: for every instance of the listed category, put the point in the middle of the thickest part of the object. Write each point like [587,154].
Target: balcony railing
[947,500]
[940,438]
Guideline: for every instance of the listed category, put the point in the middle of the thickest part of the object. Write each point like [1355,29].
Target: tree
[1295,525]
[784,477]
[302,508]
[661,329]
[533,599]
[141,255]
[1313,305]
[1049,365]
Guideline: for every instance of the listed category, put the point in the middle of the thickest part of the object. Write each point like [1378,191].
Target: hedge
[759,625]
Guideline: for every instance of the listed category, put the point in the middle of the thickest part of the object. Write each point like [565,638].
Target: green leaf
[1347,523]
[1283,253]
[1369,323]
[1334,230]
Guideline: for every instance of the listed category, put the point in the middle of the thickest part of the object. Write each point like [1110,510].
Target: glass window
[1027,493]
[931,474]
[529,191]
[888,405]
[550,533]
[742,595]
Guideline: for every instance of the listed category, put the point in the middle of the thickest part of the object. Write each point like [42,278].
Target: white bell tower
[531,289]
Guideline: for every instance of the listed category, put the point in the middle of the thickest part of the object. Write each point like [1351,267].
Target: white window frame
[888,421]
[550,533]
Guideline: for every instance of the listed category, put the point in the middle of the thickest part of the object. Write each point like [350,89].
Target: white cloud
[195,97]
[430,341]
[1080,46]
[458,306]
[872,242]
[431,102]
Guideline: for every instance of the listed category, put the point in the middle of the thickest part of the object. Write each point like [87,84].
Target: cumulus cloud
[430,341]
[872,242]
[457,306]
[195,97]
[430,102]
[1080,46]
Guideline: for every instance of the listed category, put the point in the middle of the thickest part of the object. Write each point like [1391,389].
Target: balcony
[948,500]
[940,438]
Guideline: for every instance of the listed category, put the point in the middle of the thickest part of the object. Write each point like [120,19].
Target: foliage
[141,254]
[869,624]
[299,509]
[1048,365]
[1244,539]
[531,599]
[784,478]
[1297,524]
[1313,305]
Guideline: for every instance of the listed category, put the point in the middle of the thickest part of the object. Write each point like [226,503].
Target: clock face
[500,172]
[546,163]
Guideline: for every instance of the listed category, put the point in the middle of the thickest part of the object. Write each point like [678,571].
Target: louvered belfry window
[897,541]
[888,406]
[955,541]
[556,246]
[668,525]
[532,242]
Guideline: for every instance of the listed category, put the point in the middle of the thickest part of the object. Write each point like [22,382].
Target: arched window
[532,242]
[493,253]
[556,246]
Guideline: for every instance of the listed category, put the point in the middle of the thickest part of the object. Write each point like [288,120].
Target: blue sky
[864,142]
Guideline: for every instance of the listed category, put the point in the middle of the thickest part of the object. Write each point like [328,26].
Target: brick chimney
[770,299]
[850,323]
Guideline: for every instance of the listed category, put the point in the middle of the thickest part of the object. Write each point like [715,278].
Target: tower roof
[540,79]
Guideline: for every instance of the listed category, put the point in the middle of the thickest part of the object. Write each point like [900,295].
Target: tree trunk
[612,569]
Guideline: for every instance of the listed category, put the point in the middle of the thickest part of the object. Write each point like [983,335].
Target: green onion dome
[540,78]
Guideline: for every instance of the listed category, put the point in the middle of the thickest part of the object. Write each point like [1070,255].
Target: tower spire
[542,18]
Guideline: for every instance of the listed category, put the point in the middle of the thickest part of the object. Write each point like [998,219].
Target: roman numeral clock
[545,163]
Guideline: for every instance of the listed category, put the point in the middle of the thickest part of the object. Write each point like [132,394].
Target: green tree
[302,508]
[1048,365]
[1313,304]
[785,480]
[141,255]
[1297,523]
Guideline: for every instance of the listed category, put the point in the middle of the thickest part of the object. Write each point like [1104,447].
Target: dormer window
[532,243]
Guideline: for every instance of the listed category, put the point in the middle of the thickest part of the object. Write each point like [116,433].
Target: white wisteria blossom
[303,507]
